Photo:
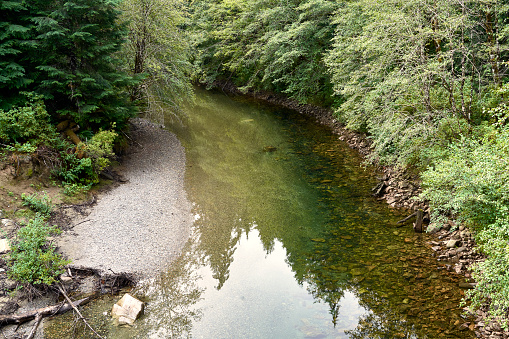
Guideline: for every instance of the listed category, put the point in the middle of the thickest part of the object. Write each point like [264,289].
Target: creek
[287,242]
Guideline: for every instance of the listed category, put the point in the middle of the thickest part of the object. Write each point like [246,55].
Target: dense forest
[425,81]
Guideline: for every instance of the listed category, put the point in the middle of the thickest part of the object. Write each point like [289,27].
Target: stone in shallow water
[127,310]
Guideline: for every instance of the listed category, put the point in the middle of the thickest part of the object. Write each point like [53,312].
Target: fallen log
[42,312]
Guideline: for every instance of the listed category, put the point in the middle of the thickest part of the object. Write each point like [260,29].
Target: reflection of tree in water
[175,296]
[381,326]
[220,261]
[310,188]
[331,294]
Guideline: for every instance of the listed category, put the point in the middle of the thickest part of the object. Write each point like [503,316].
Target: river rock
[467,285]
[9,284]
[432,229]
[461,250]
[8,225]
[465,234]
[65,279]
[127,310]
[4,246]
[451,243]
[403,185]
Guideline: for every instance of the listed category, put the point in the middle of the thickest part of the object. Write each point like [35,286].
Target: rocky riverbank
[132,229]
[452,244]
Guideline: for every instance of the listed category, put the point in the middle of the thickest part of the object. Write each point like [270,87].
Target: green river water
[286,244]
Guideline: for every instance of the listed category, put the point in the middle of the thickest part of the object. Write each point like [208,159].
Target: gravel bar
[141,225]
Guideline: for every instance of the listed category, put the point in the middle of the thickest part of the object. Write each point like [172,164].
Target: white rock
[66,280]
[8,224]
[127,310]
[4,246]
[451,243]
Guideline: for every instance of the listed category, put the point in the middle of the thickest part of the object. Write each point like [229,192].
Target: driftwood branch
[418,226]
[378,189]
[407,218]
[38,319]
[43,312]
[78,312]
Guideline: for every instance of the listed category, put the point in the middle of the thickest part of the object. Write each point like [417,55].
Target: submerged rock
[127,310]
[270,149]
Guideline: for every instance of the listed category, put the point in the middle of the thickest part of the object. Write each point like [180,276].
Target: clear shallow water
[289,243]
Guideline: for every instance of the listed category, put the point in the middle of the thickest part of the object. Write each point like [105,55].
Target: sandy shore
[141,225]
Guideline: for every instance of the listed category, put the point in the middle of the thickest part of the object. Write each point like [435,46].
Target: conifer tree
[66,51]
[77,70]
[13,32]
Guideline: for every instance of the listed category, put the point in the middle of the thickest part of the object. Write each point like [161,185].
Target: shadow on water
[288,242]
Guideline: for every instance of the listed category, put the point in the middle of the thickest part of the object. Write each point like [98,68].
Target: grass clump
[33,259]
[38,203]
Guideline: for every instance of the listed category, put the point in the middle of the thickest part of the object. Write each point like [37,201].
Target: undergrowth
[39,203]
[33,259]
[471,184]
[27,131]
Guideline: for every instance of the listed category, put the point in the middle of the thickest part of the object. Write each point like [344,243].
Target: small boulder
[4,246]
[451,243]
[65,279]
[7,225]
[127,310]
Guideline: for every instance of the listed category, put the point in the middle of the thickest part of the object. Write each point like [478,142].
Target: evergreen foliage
[78,71]
[14,32]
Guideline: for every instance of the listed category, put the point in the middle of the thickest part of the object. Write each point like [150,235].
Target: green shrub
[32,259]
[85,171]
[75,170]
[27,123]
[71,189]
[38,203]
[100,149]
[471,183]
